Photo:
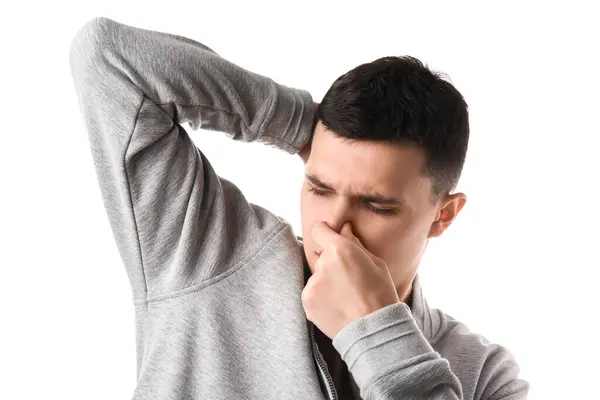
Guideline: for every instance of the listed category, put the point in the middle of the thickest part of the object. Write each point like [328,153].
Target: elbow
[87,46]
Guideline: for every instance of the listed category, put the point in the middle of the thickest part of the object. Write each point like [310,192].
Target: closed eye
[380,211]
[369,206]
[318,192]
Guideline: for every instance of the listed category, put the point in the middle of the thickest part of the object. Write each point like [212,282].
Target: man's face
[379,189]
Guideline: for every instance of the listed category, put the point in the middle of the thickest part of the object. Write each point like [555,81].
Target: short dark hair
[398,99]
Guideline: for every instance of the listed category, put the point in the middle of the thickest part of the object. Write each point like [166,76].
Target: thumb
[347,232]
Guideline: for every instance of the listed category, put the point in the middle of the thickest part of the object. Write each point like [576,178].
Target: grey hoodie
[217,281]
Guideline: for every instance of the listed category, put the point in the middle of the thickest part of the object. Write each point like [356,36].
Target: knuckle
[341,249]
[307,297]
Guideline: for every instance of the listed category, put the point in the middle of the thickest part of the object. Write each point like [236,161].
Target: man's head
[388,149]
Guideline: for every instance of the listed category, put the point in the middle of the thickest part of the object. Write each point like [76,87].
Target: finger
[318,265]
[323,235]
[349,234]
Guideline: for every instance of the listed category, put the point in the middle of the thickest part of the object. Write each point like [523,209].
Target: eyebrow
[372,197]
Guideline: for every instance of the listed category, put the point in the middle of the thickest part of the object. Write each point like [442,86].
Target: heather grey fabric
[217,281]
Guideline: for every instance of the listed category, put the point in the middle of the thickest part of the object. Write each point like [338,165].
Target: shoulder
[486,370]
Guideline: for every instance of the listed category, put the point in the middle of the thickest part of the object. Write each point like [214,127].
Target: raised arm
[175,222]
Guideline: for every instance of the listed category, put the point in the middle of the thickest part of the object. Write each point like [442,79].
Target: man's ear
[448,210]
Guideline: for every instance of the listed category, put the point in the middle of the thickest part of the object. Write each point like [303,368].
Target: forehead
[360,165]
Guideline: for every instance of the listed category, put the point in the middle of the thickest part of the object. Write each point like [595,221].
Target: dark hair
[398,99]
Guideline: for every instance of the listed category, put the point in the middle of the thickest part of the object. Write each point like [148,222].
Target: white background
[518,266]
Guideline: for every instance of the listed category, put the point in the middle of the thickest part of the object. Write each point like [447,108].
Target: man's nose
[339,213]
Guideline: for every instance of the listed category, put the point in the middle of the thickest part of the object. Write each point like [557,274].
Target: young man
[228,303]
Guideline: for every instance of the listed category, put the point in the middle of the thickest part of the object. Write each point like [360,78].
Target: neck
[405,296]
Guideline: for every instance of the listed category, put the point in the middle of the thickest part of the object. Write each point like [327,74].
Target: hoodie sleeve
[175,222]
[390,359]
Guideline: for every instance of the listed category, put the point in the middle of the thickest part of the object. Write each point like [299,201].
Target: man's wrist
[304,152]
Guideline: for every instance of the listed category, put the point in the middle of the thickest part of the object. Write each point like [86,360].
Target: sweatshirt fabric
[216,281]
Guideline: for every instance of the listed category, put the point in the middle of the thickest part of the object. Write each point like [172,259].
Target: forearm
[194,84]
[390,359]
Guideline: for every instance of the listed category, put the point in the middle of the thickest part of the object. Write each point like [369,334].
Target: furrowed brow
[317,182]
[371,197]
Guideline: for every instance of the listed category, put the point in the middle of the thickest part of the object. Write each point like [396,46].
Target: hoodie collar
[427,320]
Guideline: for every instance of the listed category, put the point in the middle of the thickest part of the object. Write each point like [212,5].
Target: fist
[348,282]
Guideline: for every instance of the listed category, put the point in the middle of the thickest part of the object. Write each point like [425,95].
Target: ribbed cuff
[291,122]
[382,342]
